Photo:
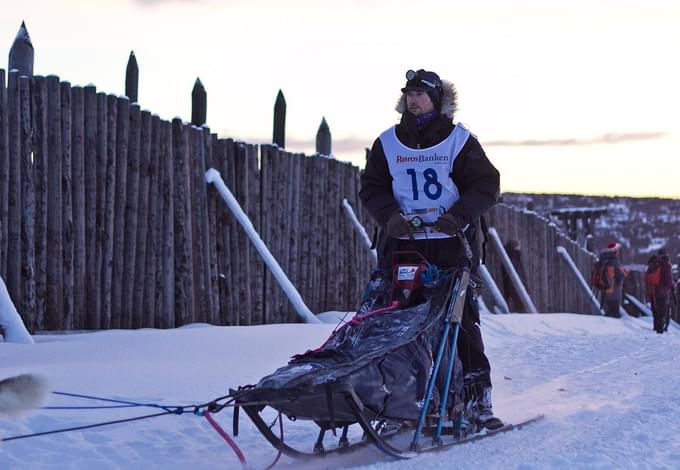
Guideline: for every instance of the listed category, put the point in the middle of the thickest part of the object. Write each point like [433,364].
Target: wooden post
[211,147]
[229,254]
[200,226]
[165,308]
[67,204]
[295,267]
[90,121]
[199,104]
[55,304]
[257,267]
[21,53]
[269,212]
[132,78]
[40,171]
[242,192]
[120,197]
[183,241]
[96,315]
[108,212]
[323,138]
[13,279]
[154,238]
[232,262]
[28,208]
[4,176]
[306,231]
[237,239]
[286,178]
[279,137]
[79,214]
[197,187]
[143,217]
[131,209]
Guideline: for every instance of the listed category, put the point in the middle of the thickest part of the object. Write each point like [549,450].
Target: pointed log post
[21,53]
[199,104]
[279,137]
[323,138]
[132,78]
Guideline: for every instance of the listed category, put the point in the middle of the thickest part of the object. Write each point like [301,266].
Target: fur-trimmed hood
[449,100]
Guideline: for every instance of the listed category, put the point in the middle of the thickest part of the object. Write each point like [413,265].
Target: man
[611,296]
[659,281]
[514,251]
[426,179]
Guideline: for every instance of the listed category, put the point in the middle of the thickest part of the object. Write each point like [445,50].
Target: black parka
[477,180]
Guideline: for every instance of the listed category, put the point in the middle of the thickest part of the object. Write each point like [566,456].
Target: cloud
[338,146]
[609,138]
[357,145]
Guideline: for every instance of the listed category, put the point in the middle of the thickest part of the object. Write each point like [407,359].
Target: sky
[573,96]
[605,386]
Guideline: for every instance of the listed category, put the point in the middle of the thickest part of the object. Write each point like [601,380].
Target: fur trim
[21,393]
[449,100]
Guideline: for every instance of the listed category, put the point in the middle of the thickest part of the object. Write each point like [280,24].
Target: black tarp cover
[386,356]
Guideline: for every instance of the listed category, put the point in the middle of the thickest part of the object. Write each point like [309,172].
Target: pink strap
[359,318]
[226,437]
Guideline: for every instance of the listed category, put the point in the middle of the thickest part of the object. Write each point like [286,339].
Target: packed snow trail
[610,390]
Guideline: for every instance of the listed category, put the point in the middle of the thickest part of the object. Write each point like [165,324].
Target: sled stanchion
[445,391]
[430,387]
[213,176]
[435,368]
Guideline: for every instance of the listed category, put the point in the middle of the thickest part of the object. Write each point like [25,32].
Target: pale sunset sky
[566,96]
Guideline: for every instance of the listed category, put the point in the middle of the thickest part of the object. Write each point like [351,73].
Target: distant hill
[641,225]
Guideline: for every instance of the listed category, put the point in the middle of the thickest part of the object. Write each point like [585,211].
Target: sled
[392,369]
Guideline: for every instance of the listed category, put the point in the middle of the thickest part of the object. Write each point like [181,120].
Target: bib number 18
[431,187]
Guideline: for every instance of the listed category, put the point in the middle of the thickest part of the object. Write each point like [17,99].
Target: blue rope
[129,403]
[167,410]
[86,407]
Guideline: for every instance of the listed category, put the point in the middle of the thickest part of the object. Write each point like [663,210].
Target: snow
[10,321]
[609,390]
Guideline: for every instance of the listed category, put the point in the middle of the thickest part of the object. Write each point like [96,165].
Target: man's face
[418,102]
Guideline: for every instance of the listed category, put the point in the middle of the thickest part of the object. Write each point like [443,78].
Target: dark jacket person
[429,172]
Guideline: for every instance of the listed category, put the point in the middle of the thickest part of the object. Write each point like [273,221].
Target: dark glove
[397,225]
[449,224]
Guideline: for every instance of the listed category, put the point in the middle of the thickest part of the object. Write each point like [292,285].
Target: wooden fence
[106,220]
[551,285]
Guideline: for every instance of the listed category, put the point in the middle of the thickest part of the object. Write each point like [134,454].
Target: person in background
[514,251]
[659,284]
[616,273]
[426,179]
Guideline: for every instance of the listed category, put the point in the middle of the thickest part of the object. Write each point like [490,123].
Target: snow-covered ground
[609,389]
